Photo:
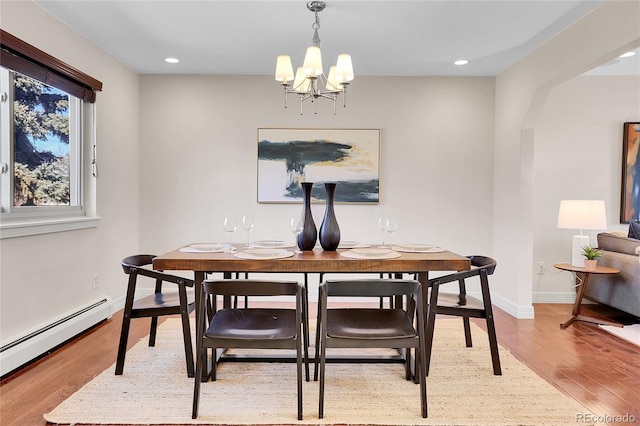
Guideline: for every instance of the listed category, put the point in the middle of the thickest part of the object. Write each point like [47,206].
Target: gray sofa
[621,291]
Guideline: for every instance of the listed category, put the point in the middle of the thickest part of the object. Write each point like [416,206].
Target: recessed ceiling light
[171,60]
[461,62]
[626,55]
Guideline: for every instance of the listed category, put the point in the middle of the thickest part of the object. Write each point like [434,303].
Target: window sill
[26,227]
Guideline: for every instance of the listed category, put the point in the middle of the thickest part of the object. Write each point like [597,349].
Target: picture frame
[630,196]
[289,156]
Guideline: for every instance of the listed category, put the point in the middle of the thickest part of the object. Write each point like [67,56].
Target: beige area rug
[462,390]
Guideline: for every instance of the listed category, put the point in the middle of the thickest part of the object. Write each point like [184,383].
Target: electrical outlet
[541,268]
[95,281]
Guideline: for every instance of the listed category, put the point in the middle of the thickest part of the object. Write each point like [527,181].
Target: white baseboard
[517,311]
[38,341]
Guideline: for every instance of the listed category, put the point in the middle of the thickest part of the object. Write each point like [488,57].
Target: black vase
[329,230]
[307,238]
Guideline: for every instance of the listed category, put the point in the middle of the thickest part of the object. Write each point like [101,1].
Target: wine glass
[296,228]
[248,223]
[391,226]
[382,225]
[230,225]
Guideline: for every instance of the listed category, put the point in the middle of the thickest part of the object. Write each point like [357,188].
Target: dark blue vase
[329,230]
[307,238]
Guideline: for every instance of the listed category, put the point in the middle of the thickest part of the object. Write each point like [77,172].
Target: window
[42,150]
[46,137]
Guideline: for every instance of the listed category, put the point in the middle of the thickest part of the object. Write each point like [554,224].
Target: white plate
[348,244]
[389,254]
[281,255]
[265,252]
[209,246]
[371,251]
[271,244]
[205,248]
[418,248]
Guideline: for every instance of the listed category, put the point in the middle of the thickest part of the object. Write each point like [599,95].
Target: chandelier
[310,81]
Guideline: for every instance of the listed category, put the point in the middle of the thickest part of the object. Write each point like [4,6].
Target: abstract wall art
[630,203]
[349,157]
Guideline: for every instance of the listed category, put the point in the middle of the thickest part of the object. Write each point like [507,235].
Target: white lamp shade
[344,68]
[582,214]
[301,83]
[312,64]
[332,84]
[284,69]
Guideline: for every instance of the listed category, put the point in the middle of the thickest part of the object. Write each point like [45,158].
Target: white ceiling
[384,38]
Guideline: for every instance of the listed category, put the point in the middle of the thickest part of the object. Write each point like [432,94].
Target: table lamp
[581,214]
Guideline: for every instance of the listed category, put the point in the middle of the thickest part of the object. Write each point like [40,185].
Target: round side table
[578,304]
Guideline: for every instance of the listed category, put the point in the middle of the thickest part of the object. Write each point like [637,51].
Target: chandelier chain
[316,27]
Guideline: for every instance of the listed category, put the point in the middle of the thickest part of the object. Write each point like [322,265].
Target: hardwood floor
[597,369]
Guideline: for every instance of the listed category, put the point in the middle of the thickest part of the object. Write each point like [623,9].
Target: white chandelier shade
[301,83]
[284,69]
[344,68]
[312,65]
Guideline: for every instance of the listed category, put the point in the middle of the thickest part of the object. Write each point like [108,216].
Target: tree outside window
[41,144]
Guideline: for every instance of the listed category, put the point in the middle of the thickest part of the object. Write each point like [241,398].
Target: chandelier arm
[303,97]
[344,90]
[325,82]
[327,95]
[286,90]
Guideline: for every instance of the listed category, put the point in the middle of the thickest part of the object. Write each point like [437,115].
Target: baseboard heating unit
[44,338]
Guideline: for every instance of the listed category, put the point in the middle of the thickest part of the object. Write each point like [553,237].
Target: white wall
[578,155]
[45,277]
[521,92]
[199,158]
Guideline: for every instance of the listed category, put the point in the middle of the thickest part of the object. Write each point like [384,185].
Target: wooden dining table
[312,261]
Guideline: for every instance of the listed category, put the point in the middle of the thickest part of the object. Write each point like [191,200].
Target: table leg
[578,303]
[598,321]
[226,300]
[576,316]
[423,278]
[201,315]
